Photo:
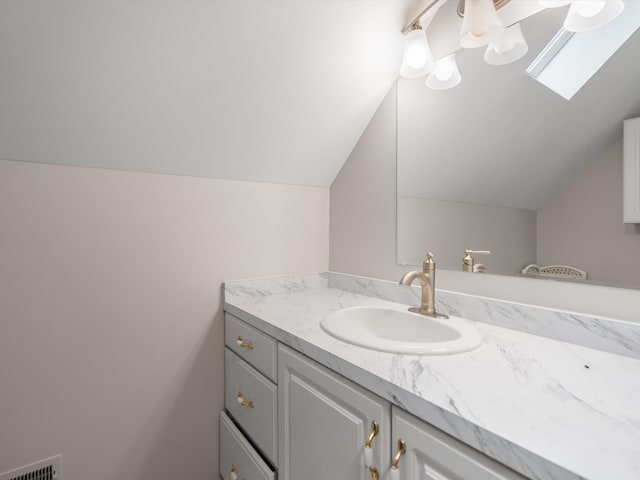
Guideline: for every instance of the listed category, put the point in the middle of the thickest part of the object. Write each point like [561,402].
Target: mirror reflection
[504,164]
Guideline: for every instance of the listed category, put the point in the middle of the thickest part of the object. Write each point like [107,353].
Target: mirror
[503,163]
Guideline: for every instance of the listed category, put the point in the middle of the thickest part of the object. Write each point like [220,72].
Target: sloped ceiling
[280,91]
[258,90]
[501,138]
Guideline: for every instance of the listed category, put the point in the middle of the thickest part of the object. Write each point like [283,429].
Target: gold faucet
[427,279]
[468,262]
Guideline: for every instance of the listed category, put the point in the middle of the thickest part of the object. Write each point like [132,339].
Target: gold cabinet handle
[368,451]
[374,473]
[402,449]
[242,401]
[375,430]
[241,343]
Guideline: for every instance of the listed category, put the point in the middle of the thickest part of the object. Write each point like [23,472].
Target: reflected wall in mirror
[502,163]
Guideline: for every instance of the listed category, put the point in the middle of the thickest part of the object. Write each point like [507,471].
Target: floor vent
[48,469]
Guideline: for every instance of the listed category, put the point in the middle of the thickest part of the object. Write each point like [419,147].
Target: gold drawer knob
[242,401]
[234,472]
[241,343]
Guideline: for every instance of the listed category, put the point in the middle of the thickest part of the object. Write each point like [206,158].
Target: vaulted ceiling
[279,91]
[260,90]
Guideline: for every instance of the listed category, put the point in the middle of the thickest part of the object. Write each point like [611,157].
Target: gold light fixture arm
[416,19]
[435,4]
[498,4]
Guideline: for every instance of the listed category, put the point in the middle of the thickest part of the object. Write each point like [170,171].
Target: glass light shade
[445,74]
[507,47]
[589,14]
[407,71]
[553,3]
[479,24]
[416,48]
[417,59]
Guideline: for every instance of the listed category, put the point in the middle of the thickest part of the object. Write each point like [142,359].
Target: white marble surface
[610,335]
[549,409]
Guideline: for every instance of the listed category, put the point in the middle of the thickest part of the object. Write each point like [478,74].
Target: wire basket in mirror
[555,271]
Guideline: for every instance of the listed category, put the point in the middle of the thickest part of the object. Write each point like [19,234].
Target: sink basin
[400,331]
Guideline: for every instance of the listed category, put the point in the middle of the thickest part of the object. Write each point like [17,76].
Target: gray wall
[510,234]
[583,226]
[111,333]
[363,225]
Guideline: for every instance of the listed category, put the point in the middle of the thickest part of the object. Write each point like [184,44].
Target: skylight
[571,59]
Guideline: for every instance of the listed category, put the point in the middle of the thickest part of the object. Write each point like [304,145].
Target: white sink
[400,331]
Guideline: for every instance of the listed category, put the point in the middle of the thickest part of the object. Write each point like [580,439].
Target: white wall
[363,226]
[111,343]
[583,225]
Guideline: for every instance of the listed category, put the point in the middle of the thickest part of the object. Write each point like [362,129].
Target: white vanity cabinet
[248,434]
[431,454]
[310,423]
[325,421]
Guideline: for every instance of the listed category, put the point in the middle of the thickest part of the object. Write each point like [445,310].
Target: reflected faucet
[468,262]
[427,279]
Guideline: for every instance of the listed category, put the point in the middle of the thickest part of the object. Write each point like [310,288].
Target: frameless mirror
[502,163]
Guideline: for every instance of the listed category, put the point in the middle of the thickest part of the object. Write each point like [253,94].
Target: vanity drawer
[259,418]
[237,454]
[259,349]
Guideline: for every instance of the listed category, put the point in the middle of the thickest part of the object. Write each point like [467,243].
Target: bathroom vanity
[302,405]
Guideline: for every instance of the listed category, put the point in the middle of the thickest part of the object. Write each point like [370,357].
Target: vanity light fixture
[445,75]
[417,59]
[508,47]
[480,23]
[482,26]
[586,15]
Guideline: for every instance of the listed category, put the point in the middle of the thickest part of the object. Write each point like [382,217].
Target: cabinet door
[433,455]
[324,421]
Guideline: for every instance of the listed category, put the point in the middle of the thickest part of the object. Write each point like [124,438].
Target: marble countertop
[547,408]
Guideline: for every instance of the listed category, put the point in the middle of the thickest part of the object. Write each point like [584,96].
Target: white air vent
[48,469]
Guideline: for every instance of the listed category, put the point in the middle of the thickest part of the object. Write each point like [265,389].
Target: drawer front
[259,418]
[236,454]
[257,349]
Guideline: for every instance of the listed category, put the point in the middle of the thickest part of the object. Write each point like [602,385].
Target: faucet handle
[428,265]
[467,261]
